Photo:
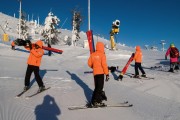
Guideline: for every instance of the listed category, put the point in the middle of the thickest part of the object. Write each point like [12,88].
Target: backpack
[174,52]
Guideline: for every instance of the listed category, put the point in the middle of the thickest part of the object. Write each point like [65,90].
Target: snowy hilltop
[152,99]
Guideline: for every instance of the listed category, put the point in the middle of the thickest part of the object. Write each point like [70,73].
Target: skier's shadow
[87,91]
[48,110]
[42,74]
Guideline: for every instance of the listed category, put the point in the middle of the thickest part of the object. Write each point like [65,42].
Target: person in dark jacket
[173,52]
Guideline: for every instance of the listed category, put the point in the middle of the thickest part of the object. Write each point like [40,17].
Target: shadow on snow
[42,74]
[87,91]
[48,110]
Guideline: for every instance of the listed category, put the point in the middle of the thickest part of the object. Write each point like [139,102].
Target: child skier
[138,61]
[12,45]
[34,61]
[97,61]
[174,55]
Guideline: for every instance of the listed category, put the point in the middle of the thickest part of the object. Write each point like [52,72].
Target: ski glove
[165,57]
[29,44]
[107,77]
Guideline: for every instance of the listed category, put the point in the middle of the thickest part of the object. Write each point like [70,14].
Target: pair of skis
[124,104]
[20,94]
[140,77]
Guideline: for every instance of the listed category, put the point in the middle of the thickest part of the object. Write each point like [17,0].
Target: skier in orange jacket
[97,61]
[34,61]
[138,61]
[12,45]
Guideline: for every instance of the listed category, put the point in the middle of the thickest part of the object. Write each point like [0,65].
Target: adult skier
[138,61]
[174,55]
[97,61]
[34,61]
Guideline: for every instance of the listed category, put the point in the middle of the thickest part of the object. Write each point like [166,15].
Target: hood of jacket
[138,48]
[100,47]
[39,43]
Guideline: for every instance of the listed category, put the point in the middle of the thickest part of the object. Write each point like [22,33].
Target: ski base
[27,97]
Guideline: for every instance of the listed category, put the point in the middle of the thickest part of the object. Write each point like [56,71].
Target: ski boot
[143,75]
[98,104]
[136,76]
[176,68]
[26,88]
[42,88]
[171,70]
[120,77]
[103,95]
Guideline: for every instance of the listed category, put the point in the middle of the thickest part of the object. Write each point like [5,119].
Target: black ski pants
[174,66]
[138,66]
[98,91]
[35,69]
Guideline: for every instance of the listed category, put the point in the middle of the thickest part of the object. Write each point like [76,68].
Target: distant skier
[138,61]
[174,55]
[34,61]
[12,45]
[97,61]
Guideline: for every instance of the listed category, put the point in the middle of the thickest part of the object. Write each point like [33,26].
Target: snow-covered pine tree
[76,22]
[50,31]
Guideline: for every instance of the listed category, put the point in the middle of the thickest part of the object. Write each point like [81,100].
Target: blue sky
[142,21]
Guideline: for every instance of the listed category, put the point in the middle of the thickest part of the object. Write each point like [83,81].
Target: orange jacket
[12,43]
[35,55]
[97,60]
[138,55]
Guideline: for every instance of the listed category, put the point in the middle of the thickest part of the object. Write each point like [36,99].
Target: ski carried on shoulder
[27,97]
[125,104]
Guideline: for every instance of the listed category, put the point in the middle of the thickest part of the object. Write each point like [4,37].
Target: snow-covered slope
[156,99]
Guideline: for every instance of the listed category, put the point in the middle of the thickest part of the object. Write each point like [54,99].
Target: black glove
[20,42]
[107,77]
[29,44]
[165,57]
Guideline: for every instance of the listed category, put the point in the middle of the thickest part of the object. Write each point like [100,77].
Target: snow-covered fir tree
[6,25]
[76,22]
[23,28]
[50,31]
[67,40]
